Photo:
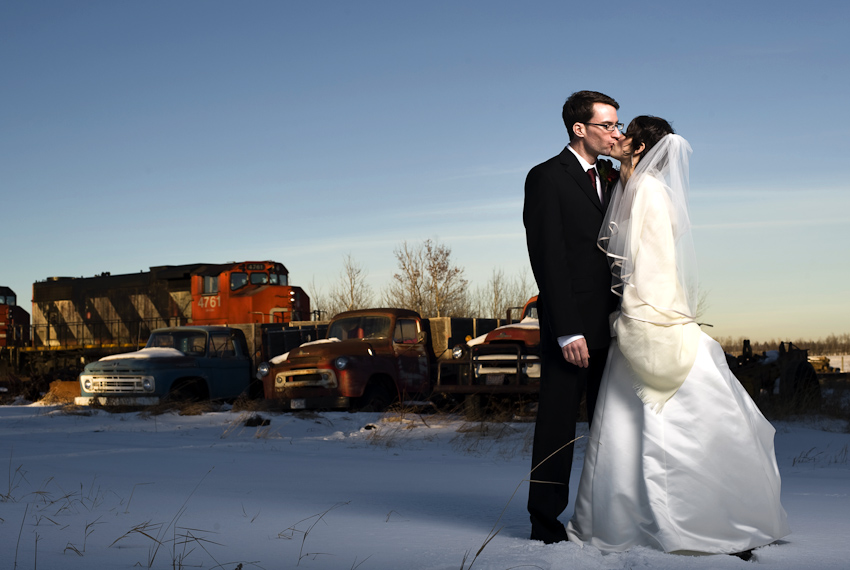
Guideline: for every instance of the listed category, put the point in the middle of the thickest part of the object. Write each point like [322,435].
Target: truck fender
[189,389]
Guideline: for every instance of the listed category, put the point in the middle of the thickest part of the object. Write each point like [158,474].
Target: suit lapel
[573,168]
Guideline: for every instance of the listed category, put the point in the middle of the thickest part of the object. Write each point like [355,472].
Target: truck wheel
[376,398]
[189,391]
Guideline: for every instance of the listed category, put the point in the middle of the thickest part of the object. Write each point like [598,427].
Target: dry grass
[495,531]
[27,388]
[482,438]
[292,531]
[74,410]
[263,428]
[182,541]
[245,404]
[187,547]
[822,457]
[404,426]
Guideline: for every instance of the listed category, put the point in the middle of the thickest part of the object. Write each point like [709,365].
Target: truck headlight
[147,383]
[341,362]
[458,351]
[87,384]
[263,369]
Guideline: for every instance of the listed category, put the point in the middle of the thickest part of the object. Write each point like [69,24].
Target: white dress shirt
[565,340]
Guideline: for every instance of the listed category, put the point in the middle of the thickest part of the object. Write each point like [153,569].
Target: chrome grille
[116,384]
[310,377]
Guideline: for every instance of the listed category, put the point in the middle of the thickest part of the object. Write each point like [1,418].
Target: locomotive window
[273,278]
[238,280]
[278,279]
[210,285]
[7,300]
[259,278]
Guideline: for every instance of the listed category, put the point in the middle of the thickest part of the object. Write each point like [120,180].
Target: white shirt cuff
[565,340]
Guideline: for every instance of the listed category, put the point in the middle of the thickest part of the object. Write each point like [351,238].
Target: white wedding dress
[679,458]
[700,476]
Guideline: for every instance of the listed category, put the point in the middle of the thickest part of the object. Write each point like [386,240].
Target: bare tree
[500,294]
[702,304]
[319,303]
[521,290]
[428,282]
[490,298]
[832,344]
[351,292]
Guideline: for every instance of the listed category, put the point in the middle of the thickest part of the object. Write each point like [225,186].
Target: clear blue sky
[135,134]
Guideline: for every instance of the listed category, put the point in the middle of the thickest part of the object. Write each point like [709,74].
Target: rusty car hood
[526,332]
[331,350]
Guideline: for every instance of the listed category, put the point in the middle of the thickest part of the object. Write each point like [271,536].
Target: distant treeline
[833,344]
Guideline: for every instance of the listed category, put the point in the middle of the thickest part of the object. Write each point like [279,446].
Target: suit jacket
[562,216]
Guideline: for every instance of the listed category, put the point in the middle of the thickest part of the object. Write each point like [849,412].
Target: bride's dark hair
[648,130]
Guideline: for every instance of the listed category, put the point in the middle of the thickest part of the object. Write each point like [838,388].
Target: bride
[679,457]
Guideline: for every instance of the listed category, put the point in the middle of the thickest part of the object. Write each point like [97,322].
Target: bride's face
[622,149]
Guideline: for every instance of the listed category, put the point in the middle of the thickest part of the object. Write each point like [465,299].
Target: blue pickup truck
[178,363]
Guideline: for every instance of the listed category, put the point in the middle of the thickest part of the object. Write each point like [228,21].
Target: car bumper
[316,403]
[117,400]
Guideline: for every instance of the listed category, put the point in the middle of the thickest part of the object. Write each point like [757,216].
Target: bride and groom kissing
[678,457]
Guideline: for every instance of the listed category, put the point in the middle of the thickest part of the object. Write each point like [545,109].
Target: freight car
[14,321]
[14,333]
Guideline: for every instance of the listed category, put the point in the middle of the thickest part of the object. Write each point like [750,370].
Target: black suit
[562,217]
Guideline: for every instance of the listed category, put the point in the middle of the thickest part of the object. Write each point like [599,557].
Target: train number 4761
[209,301]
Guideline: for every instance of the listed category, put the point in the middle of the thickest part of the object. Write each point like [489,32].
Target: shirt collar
[584,164]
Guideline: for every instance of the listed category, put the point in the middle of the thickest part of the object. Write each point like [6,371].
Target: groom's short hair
[579,108]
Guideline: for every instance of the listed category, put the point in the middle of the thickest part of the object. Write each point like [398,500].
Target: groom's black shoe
[549,534]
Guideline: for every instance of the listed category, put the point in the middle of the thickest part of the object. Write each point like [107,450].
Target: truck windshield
[530,311]
[187,342]
[360,327]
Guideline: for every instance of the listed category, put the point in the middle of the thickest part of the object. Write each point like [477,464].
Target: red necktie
[592,175]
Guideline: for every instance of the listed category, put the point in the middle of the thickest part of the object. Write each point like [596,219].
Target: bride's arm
[655,332]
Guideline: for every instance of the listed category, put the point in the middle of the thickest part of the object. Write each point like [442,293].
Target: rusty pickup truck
[373,357]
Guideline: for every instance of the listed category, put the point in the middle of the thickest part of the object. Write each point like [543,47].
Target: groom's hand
[576,353]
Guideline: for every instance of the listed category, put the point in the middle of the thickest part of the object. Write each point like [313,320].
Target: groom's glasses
[607,127]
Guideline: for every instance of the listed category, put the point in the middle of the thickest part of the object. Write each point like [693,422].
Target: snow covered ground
[335,491]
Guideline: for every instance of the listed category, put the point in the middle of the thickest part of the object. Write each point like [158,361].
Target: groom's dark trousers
[562,216]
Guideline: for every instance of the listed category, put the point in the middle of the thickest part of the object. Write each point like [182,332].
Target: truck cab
[177,363]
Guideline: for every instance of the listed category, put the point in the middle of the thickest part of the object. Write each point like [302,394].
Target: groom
[563,213]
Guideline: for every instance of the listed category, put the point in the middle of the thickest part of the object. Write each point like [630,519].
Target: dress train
[700,476]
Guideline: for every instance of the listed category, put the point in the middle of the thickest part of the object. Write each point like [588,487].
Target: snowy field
[335,491]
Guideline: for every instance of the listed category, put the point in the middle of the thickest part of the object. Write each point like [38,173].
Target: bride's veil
[666,162]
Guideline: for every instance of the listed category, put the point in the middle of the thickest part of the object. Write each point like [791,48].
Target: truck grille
[501,364]
[116,384]
[320,377]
